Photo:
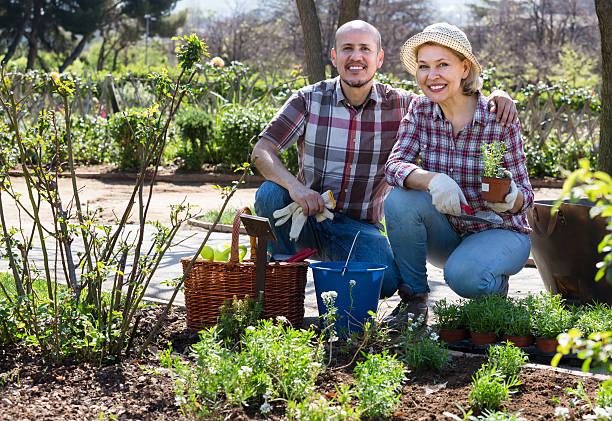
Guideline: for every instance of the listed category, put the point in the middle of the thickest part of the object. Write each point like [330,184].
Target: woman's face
[439,72]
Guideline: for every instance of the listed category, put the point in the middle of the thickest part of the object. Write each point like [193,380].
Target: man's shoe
[413,305]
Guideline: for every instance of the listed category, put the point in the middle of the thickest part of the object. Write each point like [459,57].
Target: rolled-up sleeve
[406,150]
[288,123]
[515,162]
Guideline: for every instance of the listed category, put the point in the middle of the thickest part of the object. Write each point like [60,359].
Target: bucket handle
[552,222]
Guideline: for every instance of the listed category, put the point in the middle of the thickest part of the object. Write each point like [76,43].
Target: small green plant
[329,319]
[421,348]
[492,158]
[236,315]
[508,359]
[517,321]
[490,388]
[318,408]
[604,394]
[378,383]
[487,415]
[449,315]
[486,314]
[549,316]
[593,318]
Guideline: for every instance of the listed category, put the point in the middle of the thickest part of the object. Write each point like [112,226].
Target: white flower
[217,62]
[265,407]
[352,282]
[561,412]
[250,328]
[282,319]
[329,295]
[433,336]
[244,370]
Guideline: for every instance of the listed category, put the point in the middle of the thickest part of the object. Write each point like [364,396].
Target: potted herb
[485,317]
[517,324]
[495,184]
[450,320]
[549,319]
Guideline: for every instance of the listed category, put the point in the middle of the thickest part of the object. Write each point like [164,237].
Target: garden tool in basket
[298,219]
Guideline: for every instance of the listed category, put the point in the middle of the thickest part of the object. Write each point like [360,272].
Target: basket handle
[236,234]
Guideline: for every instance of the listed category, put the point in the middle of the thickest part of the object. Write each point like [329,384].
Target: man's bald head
[358,25]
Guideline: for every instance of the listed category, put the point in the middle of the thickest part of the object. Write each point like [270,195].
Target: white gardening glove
[298,219]
[510,198]
[446,195]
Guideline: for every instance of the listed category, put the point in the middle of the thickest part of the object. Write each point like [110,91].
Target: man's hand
[446,195]
[310,201]
[500,103]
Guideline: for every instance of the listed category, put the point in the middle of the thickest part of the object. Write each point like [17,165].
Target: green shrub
[486,314]
[421,348]
[517,320]
[378,382]
[594,318]
[604,394]
[449,315]
[236,315]
[317,408]
[196,127]
[508,359]
[549,317]
[132,131]
[489,388]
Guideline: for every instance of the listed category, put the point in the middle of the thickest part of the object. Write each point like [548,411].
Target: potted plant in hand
[450,320]
[485,316]
[495,184]
[549,319]
[517,324]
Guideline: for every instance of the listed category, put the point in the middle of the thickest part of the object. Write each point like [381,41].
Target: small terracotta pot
[546,345]
[521,341]
[453,335]
[479,338]
[495,189]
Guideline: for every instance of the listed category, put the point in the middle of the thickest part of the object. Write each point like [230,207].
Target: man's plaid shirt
[340,148]
[425,132]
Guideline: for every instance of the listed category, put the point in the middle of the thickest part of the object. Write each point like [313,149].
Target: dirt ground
[111,195]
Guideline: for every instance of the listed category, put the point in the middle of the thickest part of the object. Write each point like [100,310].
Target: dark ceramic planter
[479,338]
[495,189]
[546,345]
[453,335]
[564,248]
[520,341]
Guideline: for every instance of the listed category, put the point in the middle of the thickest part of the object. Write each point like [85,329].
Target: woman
[446,128]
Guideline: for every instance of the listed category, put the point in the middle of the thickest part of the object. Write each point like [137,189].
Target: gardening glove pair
[446,195]
[510,198]
[298,219]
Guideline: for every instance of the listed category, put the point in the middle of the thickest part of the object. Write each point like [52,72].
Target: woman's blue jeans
[332,238]
[474,264]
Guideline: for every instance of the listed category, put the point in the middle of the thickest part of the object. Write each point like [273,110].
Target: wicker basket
[209,284]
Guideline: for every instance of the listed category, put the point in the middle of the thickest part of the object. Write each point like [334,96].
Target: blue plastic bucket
[354,299]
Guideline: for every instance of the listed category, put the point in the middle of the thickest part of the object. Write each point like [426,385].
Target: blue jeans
[332,238]
[474,264]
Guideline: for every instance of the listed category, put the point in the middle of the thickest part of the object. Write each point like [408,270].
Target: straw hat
[444,34]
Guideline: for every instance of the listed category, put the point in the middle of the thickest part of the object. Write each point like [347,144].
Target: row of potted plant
[521,321]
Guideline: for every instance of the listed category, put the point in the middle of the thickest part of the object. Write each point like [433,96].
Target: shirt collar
[480,114]
[374,94]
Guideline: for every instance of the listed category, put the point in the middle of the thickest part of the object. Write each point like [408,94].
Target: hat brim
[409,49]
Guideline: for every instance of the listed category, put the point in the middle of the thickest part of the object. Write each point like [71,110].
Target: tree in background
[604,13]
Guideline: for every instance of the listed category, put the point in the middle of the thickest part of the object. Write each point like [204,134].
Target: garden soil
[33,387]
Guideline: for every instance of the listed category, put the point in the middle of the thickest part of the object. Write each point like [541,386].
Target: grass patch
[227,218]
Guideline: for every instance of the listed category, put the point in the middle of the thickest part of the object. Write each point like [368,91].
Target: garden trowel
[488,217]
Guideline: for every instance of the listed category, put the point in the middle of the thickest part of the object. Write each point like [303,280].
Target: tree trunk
[313,48]
[101,54]
[604,14]
[32,51]
[76,52]
[349,10]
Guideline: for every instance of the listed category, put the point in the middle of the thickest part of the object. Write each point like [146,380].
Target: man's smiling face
[357,57]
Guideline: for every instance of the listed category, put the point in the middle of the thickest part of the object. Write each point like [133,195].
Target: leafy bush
[549,316]
[132,130]
[517,321]
[555,155]
[317,408]
[274,361]
[489,388]
[236,316]
[508,359]
[594,318]
[421,349]
[378,380]
[196,127]
[449,315]
[604,394]
[486,314]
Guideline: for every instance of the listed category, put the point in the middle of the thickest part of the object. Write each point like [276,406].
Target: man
[345,129]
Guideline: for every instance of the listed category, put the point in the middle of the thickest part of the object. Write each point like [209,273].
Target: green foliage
[486,314]
[508,359]
[492,158]
[449,315]
[549,316]
[236,315]
[554,155]
[378,383]
[238,130]
[420,347]
[132,131]
[604,394]
[318,408]
[487,415]
[190,50]
[594,318]
[490,389]
[274,361]
[517,320]
[596,348]
[197,132]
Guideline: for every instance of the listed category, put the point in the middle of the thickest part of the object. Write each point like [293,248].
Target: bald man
[345,129]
